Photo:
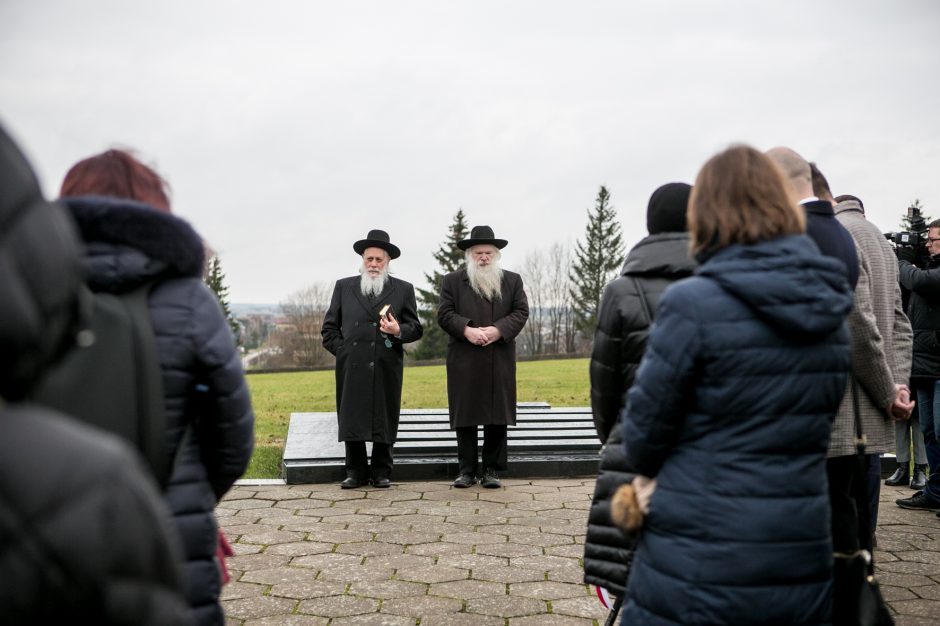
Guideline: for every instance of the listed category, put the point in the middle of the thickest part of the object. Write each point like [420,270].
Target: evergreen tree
[450,258]
[596,260]
[215,279]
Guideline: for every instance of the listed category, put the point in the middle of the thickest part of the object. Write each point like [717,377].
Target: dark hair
[740,196]
[846,197]
[117,174]
[934,224]
[820,184]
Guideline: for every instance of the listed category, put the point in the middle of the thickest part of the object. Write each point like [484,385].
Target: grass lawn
[275,396]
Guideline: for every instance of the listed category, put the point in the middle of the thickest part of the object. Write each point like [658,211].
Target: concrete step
[546,442]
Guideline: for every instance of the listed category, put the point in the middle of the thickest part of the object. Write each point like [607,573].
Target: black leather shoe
[351,482]
[490,480]
[899,477]
[381,482]
[919,481]
[463,481]
[919,501]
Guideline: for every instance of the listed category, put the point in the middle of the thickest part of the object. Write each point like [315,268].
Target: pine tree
[595,262]
[215,279]
[450,258]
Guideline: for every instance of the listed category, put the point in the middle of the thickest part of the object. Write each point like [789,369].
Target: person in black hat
[371,316]
[627,310]
[482,307]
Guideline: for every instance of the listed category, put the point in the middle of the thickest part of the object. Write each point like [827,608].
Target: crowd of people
[749,338]
[733,403]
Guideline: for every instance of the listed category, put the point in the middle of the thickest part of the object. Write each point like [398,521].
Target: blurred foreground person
[627,310]
[731,410]
[84,536]
[123,213]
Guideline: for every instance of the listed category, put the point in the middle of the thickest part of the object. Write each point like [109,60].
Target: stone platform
[424,553]
[545,441]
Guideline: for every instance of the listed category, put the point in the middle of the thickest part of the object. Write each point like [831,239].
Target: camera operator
[924,312]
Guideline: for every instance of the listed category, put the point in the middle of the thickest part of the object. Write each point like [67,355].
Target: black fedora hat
[377,239]
[481,235]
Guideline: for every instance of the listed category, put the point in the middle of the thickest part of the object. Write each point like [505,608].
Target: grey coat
[481,380]
[369,374]
[881,339]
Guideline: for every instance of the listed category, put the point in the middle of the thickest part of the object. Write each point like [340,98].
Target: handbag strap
[861,480]
[644,303]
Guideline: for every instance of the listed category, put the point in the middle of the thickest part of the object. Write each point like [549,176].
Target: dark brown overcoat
[481,380]
[368,373]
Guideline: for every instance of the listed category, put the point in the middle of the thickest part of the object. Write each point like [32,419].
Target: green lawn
[275,396]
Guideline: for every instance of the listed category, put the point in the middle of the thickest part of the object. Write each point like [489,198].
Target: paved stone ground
[422,553]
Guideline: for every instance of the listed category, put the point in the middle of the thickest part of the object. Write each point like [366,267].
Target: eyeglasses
[933,238]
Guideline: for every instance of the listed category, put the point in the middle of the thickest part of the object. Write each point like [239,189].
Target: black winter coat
[204,386]
[369,373]
[84,535]
[481,380]
[731,412]
[623,326]
[831,237]
[622,323]
[923,309]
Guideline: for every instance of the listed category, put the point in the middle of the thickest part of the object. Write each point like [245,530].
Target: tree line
[564,285]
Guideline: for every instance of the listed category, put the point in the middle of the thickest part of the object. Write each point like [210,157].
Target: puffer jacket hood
[809,297]
[664,254]
[129,243]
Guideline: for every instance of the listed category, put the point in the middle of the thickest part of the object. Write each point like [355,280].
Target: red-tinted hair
[117,174]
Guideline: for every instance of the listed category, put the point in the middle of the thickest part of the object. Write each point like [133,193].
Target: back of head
[740,197]
[40,274]
[666,210]
[117,174]
[795,170]
[820,184]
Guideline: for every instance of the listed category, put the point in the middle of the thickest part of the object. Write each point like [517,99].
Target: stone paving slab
[424,553]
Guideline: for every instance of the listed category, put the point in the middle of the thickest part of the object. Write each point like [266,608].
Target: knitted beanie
[666,210]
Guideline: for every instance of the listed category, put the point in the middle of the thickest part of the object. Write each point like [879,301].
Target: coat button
[371,363]
[372,343]
[357,323]
[373,323]
[355,343]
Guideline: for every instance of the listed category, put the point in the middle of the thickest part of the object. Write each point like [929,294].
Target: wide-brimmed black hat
[481,235]
[377,239]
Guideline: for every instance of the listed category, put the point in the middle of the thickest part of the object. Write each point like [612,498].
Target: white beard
[373,285]
[486,281]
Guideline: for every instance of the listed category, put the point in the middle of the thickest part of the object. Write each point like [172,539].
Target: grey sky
[289,129]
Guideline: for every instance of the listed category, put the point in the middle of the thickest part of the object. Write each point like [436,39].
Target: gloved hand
[906,253]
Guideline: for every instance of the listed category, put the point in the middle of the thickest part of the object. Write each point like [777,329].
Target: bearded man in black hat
[370,318]
[482,307]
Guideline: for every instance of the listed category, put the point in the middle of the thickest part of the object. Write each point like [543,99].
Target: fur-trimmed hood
[128,243]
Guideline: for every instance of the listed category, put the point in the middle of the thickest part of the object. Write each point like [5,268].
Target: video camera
[916,236]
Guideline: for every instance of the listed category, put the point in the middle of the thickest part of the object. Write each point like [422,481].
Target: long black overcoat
[481,380]
[369,374]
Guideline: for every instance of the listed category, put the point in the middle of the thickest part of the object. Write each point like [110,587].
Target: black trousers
[495,452]
[357,462]
[848,492]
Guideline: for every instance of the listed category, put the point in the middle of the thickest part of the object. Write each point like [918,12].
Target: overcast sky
[289,129]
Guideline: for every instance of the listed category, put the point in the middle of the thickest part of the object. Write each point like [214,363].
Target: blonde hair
[740,196]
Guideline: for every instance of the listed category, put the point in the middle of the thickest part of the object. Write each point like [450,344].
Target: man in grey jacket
[881,366]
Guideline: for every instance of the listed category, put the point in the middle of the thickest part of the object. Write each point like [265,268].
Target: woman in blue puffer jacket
[122,211]
[731,411]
